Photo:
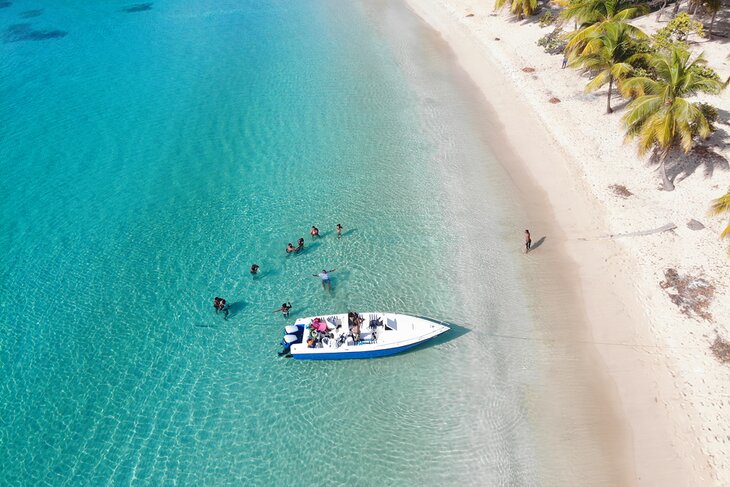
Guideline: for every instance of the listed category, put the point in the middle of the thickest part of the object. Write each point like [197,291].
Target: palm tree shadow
[538,243]
[680,166]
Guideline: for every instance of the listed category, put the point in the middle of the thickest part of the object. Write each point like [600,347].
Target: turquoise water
[150,157]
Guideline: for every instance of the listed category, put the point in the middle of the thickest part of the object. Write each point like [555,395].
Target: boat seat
[291,329]
[289,339]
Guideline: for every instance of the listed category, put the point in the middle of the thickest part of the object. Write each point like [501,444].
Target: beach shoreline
[665,446]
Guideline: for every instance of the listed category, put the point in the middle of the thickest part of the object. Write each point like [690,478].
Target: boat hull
[383,334]
[353,354]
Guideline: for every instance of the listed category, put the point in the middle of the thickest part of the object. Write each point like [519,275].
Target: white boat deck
[389,331]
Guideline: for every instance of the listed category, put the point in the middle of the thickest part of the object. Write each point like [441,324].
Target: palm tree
[661,117]
[608,54]
[720,206]
[589,12]
[712,6]
[594,15]
[518,7]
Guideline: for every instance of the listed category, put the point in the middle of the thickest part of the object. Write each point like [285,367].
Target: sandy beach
[671,389]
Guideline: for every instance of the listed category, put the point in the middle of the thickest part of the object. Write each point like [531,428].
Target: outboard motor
[292,334]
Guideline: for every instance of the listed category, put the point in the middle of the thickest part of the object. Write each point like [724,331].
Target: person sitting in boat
[354,319]
[318,325]
[290,248]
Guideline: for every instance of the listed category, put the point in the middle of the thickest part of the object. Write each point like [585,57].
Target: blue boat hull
[358,355]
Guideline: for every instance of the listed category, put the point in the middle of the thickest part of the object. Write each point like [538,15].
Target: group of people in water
[220,304]
[314,232]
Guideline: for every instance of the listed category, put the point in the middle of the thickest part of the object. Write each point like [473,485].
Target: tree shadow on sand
[680,166]
[24,32]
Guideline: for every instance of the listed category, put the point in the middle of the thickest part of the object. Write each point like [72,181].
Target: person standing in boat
[324,275]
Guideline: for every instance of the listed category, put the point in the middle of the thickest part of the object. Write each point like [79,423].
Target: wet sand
[597,398]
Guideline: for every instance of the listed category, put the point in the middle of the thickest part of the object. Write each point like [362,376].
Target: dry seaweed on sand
[620,190]
[721,350]
[691,294]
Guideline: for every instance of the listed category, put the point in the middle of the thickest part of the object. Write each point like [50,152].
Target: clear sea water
[150,156]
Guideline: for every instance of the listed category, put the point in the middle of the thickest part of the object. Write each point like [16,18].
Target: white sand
[674,392]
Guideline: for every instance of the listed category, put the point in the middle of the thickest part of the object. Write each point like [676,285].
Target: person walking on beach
[324,275]
[255,269]
[339,230]
[565,61]
[285,307]
[314,232]
[528,241]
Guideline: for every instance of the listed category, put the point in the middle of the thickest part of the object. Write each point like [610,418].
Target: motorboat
[357,335]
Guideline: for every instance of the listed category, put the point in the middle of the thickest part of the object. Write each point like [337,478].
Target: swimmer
[300,245]
[255,269]
[290,248]
[221,305]
[339,230]
[324,275]
[285,307]
[314,232]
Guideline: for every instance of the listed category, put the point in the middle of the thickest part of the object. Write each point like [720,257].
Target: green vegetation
[548,18]
[608,55]
[660,117]
[721,206]
[518,7]
[656,73]
[594,16]
[675,33]
[553,42]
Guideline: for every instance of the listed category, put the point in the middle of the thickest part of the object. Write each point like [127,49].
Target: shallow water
[153,152]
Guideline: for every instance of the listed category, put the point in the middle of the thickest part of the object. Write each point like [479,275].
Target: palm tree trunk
[667,184]
[712,23]
[610,87]
[661,10]
[676,8]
